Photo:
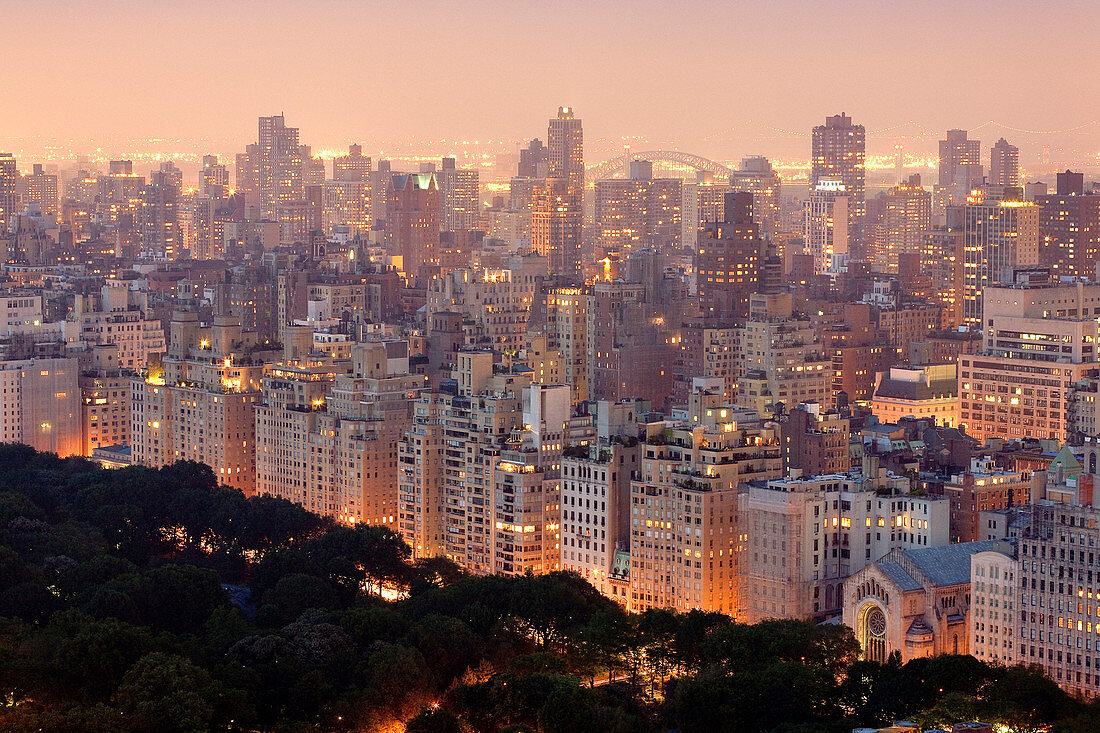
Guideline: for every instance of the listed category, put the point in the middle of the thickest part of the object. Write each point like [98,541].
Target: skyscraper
[908,215]
[1069,228]
[730,259]
[998,236]
[566,148]
[8,177]
[558,207]
[1004,164]
[413,214]
[757,176]
[839,152]
[960,166]
[458,197]
[42,190]
[827,225]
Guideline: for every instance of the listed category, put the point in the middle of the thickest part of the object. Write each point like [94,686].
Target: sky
[714,78]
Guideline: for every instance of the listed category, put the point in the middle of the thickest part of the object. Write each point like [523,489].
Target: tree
[166,692]
[434,720]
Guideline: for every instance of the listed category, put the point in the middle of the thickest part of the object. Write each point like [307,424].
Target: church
[916,601]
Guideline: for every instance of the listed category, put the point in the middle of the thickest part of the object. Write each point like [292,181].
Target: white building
[993,613]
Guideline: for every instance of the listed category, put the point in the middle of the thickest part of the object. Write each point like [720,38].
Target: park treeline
[155,600]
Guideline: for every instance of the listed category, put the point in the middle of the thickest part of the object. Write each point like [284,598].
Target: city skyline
[480,72]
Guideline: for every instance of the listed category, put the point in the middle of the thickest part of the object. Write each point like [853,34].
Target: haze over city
[721,79]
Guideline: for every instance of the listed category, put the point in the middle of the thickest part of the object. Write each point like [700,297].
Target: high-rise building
[639,212]
[158,217]
[827,225]
[459,203]
[730,260]
[40,404]
[348,196]
[803,537]
[9,176]
[479,471]
[999,235]
[782,358]
[684,526]
[757,176]
[201,405]
[565,149]
[413,220]
[534,160]
[1069,228]
[994,615]
[42,190]
[215,177]
[1004,164]
[906,219]
[1038,343]
[556,226]
[351,414]
[960,168]
[839,152]
[558,206]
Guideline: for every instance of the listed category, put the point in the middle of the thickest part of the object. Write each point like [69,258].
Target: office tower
[757,176]
[729,261]
[41,404]
[534,160]
[413,221]
[350,412]
[839,150]
[479,476]
[558,206]
[999,235]
[458,197]
[565,149]
[960,168]
[943,257]
[169,174]
[1069,228]
[783,360]
[1004,164]
[804,537]
[215,177]
[684,524]
[639,211]
[815,441]
[906,219]
[42,190]
[1038,342]
[556,226]
[201,404]
[827,225]
[9,176]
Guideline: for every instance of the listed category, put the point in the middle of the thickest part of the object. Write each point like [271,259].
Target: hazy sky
[694,74]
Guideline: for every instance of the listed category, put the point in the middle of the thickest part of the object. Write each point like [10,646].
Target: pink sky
[701,76]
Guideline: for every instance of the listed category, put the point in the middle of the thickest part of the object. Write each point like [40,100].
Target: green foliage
[156,600]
